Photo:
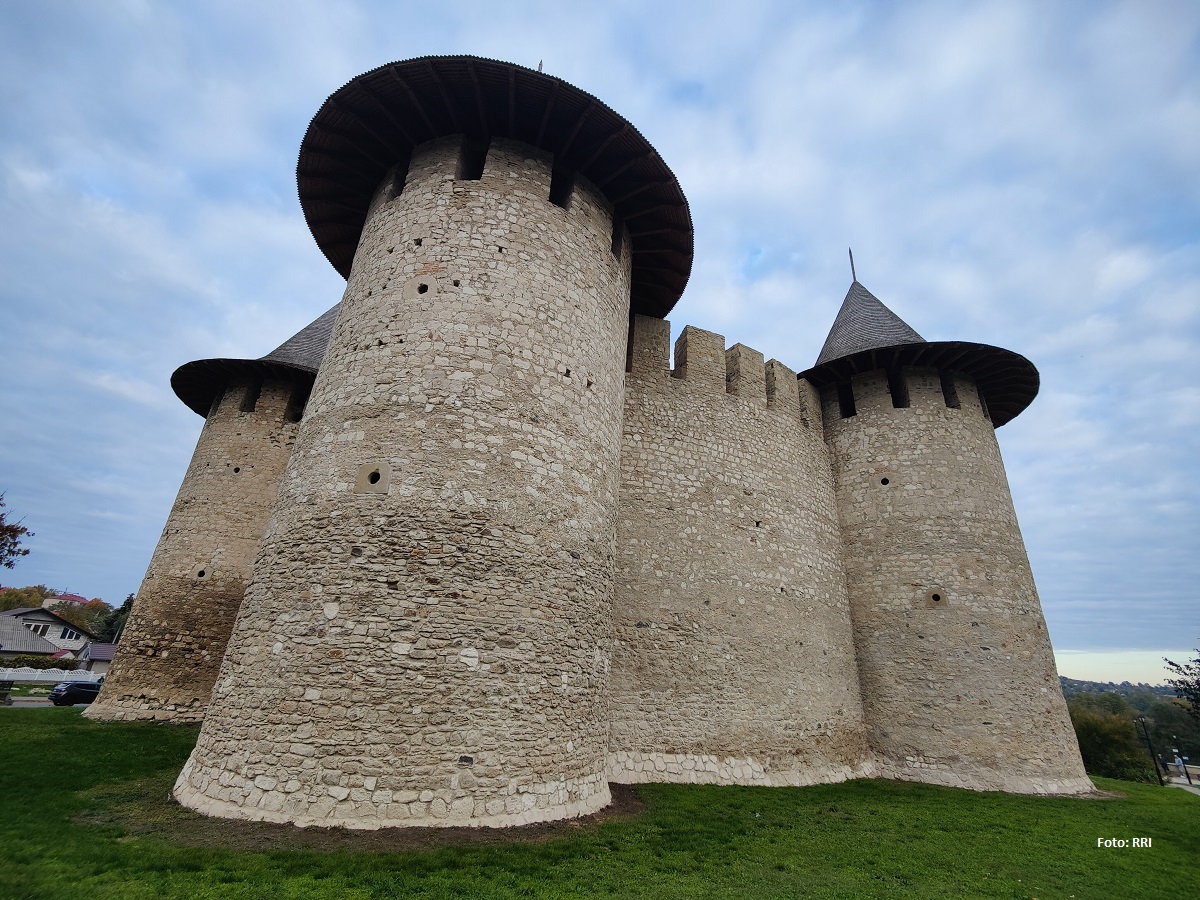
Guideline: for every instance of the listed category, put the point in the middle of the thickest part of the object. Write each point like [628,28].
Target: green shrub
[29,661]
[1109,744]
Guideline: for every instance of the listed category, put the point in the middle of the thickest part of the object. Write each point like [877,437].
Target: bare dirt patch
[145,808]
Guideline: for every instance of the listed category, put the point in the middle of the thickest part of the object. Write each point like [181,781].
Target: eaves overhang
[1007,381]
[373,122]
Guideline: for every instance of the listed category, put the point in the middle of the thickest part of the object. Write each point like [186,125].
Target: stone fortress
[468,548]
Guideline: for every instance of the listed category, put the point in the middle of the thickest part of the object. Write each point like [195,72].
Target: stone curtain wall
[733,661]
[172,645]
[958,678]
[426,639]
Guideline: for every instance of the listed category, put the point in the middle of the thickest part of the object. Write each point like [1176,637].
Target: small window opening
[455,282]
[417,242]
[567,373]
[898,388]
[422,288]
[758,523]
[885,481]
[236,469]
[949,390]
[629,347]
[935,598]
[297,402]
[846,400]
[200,574]
[399,175]
[374,477]
[983,405]
[216,402]
[618,236]
[250,400]
[471,158]
[562,183]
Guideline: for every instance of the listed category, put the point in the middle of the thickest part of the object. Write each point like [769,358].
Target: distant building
[97,657]
[17,640]
[53,629]
[64,598]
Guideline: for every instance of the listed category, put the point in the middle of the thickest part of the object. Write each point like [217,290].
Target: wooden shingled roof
[866,335]
[373,122]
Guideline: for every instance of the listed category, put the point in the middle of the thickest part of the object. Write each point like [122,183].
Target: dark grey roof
[866,335]
[374,121]
[99,651]
[864,323]
[29,610]
[197,383]
[16,638]
[306,348]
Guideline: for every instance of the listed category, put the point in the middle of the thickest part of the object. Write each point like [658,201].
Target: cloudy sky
[1022,174]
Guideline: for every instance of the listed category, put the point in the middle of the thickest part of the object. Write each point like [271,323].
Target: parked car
[68,693]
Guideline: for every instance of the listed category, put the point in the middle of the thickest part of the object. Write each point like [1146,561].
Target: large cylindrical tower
[958,677]
[172,644]
[426,639]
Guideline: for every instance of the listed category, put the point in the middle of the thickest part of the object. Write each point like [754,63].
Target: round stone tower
[426,638]
[172,644]
[957,673]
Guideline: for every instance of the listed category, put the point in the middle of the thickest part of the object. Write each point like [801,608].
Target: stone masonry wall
[172,644]
[958,678]
[733,661]
[426,640]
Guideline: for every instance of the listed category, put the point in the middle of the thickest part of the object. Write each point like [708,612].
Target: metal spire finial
[852,275]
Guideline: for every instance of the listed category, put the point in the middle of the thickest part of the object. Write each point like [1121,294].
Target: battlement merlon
[367,129]
[701,359]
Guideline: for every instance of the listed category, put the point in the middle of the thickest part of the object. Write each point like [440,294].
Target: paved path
[1171,782]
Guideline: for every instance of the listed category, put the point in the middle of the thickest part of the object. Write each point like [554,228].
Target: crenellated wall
[172,644]
[958,678]
[733,660]
[427,636]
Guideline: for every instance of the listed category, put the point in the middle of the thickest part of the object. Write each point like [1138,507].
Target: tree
[90,616]
[114,622]
[19,598]
[10,539]
[1187,682]
[1108,742]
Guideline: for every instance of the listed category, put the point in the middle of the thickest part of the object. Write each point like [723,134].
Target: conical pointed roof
[864,323]
[197,383]
[866,335]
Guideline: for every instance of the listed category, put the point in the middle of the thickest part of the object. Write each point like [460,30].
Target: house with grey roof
[52,629]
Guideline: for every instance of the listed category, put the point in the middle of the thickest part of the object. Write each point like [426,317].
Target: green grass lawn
[85,812]
[32,690]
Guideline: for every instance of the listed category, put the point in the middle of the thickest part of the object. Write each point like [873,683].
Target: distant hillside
[1072,686]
